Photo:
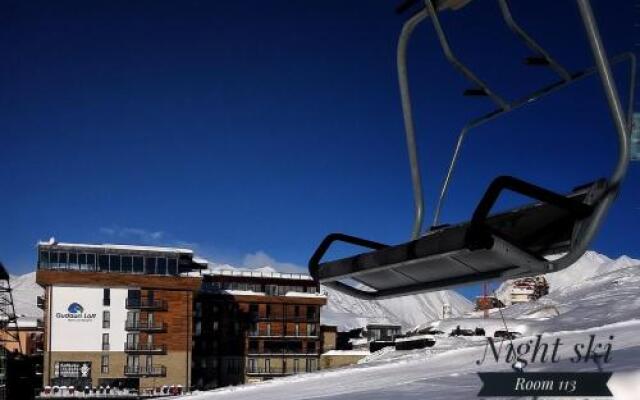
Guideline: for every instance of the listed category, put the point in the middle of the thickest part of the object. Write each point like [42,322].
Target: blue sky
[249,130]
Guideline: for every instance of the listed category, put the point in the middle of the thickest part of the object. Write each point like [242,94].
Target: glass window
[103,262]
[127,263]
[104,364]
[73,261]
[91,261]
[106,319]
[150,265]
[105,341]
[162,266]
[44,259]
[106,297]
[114,263]
[172,266]
[62,260]
[53,259]
[137,264]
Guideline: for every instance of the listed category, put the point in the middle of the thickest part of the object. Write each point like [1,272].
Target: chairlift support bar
[533,97]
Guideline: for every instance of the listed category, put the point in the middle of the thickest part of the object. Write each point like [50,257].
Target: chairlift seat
[507,244]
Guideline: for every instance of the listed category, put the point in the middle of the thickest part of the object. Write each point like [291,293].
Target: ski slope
[598,296]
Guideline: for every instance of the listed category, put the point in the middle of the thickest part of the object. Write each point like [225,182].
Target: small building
[328,337]
[341,358]
[381,332]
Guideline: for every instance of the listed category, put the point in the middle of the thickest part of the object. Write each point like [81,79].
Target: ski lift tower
[8,319]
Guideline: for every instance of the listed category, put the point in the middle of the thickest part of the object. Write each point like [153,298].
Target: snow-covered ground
[597,296]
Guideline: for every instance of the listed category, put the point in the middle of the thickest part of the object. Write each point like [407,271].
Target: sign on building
[635,138]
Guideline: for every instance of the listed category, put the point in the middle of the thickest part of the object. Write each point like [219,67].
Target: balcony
[288,318]
[145,348]
[282,353]
[146,304]
[288,335]
[145,371]
[144,326]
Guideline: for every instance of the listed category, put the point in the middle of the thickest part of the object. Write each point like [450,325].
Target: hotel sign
[75,312]
[72,369]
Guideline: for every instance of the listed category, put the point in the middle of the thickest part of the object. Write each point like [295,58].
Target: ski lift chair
[490,246]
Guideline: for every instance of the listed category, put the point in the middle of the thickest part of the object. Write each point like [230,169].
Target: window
[271,290]
[106,297]
[198,328]
[296,365]
[215,326]
[296,311]
[252,365]
[297,330]
[311,364]
[103,262]
[311,289]
[91,262]
[106,319]
[267,365]
[62,260]
[269,329]
[104,364]
[114,265]
[253,346]
[44,259]
[162,266]
[311,312]
[137,264]
[53,259]
[268,310]
[127,263]
[172,266]
[105,341]
[73,261]
[311,347]
[311,330]
[133,298]
[150,265]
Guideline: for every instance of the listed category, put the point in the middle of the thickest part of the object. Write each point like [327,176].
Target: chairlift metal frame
[589,209]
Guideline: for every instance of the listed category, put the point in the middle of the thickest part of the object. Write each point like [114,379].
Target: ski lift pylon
[505,245]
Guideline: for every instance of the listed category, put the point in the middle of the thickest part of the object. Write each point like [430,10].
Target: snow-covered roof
[346,353]
[259,274]
[108,246]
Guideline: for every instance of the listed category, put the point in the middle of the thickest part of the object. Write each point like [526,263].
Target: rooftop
[107,246]
[258,274]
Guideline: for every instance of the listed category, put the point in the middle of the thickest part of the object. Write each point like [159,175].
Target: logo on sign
[75,308]
[75,312]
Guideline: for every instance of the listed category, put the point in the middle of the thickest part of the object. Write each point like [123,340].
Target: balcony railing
[289,318]
[146,304]
[145,348]
[288,352]
[154,370]
[288,335]
[268,371]
[144,326]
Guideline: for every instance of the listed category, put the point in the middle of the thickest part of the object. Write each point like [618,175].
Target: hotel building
[117,315]
[253,326]
[144,317]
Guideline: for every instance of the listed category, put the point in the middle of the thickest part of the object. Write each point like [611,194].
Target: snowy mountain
[25,291]
[589,265]
[347,312]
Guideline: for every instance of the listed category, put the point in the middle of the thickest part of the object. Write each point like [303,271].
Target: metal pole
[409,126]
[609,86]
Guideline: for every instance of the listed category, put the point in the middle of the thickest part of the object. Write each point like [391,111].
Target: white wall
[83,331]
